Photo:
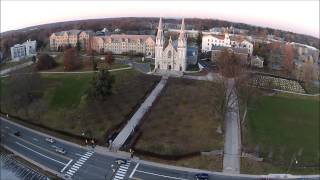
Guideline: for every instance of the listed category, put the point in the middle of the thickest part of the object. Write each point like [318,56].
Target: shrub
[45,62]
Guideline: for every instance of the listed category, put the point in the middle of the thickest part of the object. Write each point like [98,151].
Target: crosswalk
[121,172]
[75,167]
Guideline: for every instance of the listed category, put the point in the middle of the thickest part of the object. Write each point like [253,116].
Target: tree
[101,85]
[288,53]
[71,60]
[109,59]
[34,59]
[78,46]
[199,41]
[45,62]
[229,63]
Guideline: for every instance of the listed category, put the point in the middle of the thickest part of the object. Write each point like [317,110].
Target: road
[232,146]
[84,163]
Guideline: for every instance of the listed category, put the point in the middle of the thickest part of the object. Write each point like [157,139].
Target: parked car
[121,161]
[17,133]
[202,176]
[50,140]
[61,150]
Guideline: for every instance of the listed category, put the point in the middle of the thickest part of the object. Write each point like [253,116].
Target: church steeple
[182,41]
[170,40]
[160,38]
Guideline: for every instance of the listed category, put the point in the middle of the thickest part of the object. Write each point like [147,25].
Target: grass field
[182,121]
[64,94]
[211,163]
[284,127]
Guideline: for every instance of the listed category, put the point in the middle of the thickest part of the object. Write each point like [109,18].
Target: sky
[296,16]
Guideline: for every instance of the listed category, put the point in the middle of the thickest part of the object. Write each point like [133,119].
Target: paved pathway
[208,77]
[135,119]
[232,146]
[6,71]
[75,72]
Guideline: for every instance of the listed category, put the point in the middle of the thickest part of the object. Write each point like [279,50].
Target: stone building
[116,43]
[171,56]
[120,43]
[64,38]
[25,50]
[84,38]
[256,61]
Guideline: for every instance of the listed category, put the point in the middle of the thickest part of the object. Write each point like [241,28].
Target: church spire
[182,40]
[182,25]
[160,38]
[160,24]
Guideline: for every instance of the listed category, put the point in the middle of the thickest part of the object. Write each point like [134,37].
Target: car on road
[60,150]
[121,161]
[50,140]
[17,133]
[202,176]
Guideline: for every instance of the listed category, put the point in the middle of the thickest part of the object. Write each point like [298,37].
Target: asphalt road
[85,164]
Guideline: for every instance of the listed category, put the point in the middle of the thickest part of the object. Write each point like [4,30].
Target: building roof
[235,50]
[130,38]
[69,32]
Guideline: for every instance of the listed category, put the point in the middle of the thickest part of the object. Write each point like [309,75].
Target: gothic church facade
[173,56]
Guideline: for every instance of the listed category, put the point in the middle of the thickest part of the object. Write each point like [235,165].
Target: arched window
[169,54]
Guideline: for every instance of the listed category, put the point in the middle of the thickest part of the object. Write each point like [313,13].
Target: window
[169,54]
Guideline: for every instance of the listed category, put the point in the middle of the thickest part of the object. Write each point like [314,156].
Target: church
[173,56]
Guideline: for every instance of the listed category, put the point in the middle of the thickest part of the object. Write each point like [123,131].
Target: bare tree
[288,59]
[71,59]
[235,79]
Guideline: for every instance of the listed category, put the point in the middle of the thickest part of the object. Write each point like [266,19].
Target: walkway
[232,146]
[75,72]
[209,77]
[136,118]
[6,71]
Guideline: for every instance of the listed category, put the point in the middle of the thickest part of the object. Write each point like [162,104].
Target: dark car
[17,133]
[202,176]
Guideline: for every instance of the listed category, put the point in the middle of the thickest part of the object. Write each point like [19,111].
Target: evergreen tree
[101,85]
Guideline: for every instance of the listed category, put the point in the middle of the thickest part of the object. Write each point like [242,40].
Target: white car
[50,140]
[61,150]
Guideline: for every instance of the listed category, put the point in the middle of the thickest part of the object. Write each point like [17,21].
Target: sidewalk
[6,71]
[136,118]
[232,146]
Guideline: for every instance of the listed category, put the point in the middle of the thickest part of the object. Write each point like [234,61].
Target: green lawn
[182,121]
[281,126]
[67,109]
